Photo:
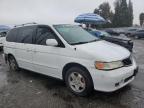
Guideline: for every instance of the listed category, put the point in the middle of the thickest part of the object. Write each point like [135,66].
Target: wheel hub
[77,82]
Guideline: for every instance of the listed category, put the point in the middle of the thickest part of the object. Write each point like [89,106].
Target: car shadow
[58,89]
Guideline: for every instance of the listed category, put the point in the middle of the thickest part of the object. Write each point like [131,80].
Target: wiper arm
[85,42]
[94,40]
[79,43]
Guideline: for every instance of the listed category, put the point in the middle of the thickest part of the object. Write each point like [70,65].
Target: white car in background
[70,53]
[2,38]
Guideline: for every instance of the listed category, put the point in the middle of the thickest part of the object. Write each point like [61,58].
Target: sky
[53,11]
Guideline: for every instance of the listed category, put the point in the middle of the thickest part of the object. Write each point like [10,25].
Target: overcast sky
[45,11]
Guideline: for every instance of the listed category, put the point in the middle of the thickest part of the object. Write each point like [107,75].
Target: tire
[79,81]
[13,64]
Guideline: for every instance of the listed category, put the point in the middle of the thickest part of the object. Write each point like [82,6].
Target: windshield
[132,29]
[102,33]
[74,34]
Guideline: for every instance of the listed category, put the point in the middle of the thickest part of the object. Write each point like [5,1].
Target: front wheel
[79,81]
[13,64]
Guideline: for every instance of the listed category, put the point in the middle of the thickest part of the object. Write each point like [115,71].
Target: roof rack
[25,24]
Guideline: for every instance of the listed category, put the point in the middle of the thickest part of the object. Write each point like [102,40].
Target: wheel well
[7,57]
[10,55]
[70,65]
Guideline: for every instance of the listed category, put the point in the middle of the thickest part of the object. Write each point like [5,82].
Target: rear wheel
[79,81]
[13,64]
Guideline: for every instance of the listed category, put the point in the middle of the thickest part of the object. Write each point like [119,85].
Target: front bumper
[109,81]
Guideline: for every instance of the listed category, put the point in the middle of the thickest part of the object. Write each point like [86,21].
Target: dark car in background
[138,34]
[129,32]
[120,40]
[112,32]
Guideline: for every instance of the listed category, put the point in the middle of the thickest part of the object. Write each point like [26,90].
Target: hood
[104,51]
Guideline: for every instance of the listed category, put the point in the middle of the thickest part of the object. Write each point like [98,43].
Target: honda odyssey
[70,53]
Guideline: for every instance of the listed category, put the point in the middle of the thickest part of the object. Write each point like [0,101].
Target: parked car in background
[138,34]
[70,53]
[120,40]
[2,38]
[129,32]
[3,31]
[112,32]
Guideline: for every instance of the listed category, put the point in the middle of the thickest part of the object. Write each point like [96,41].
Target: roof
[36,24]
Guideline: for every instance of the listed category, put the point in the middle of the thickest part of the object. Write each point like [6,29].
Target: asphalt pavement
[25,89]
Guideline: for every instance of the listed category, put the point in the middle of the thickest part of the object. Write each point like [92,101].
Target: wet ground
[26,89]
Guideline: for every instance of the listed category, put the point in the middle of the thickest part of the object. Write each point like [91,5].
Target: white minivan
[70,53]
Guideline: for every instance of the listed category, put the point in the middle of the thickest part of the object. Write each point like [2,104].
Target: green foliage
[104,10]
[122,17]
[130,7]
[141,17]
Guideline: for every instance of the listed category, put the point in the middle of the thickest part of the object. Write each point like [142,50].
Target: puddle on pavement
[3,79]
[3,74]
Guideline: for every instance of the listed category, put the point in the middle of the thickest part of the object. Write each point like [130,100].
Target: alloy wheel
[77,82]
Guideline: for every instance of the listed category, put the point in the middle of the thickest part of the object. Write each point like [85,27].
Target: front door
[47,58]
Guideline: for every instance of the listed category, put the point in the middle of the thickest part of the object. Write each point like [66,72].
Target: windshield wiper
[94,40]
[85,42]
[79,43]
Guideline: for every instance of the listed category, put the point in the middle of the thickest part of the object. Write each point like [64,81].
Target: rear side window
[44,33]
[11,36]
[25,35]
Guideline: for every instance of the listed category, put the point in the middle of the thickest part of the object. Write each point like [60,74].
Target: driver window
[44,33]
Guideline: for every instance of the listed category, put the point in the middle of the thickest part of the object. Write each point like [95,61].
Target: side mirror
[51,42]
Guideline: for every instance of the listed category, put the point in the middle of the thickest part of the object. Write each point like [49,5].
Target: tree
[116,17]
[97,11]
[104,10]
[141,17]
[130,7]
[123,16]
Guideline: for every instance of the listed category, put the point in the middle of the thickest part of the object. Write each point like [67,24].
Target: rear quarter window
[11,36]
[25,35]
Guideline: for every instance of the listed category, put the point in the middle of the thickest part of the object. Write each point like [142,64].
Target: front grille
[127,61]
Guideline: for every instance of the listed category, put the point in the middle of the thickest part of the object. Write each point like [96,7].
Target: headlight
[108,65]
